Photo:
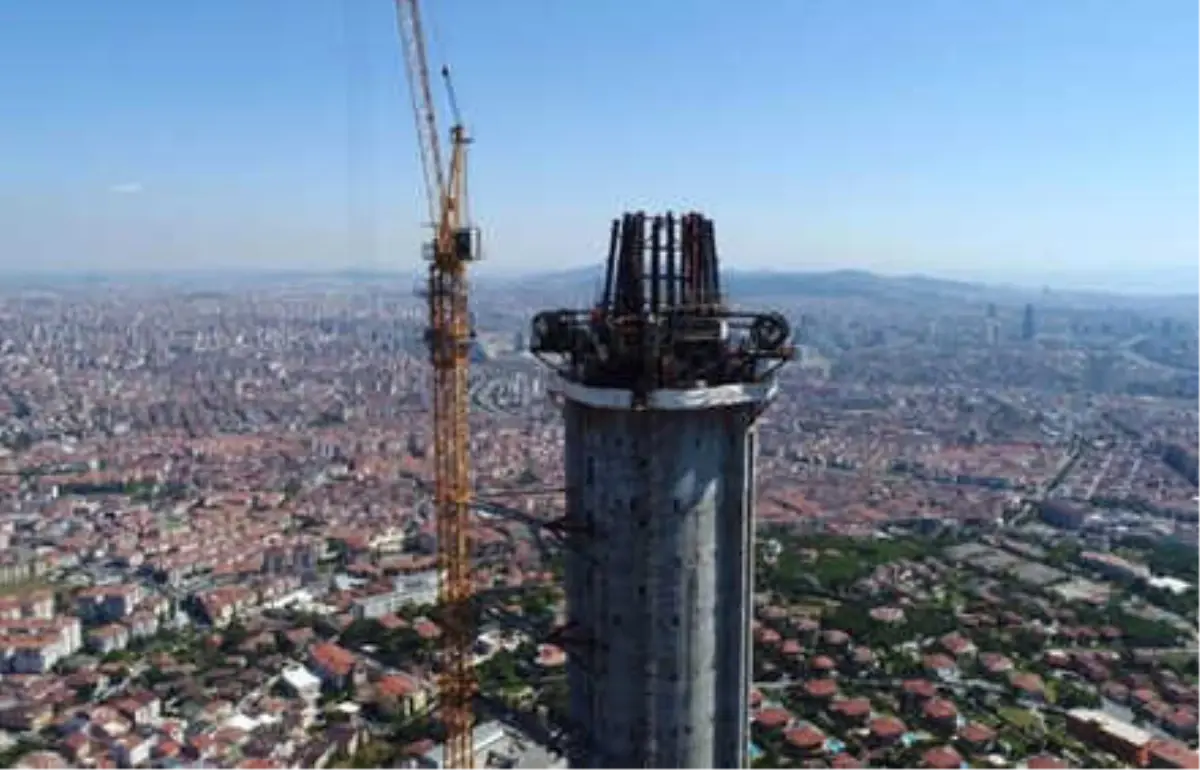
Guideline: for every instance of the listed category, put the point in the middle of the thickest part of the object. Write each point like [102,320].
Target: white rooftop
[1135,736]
[300,678]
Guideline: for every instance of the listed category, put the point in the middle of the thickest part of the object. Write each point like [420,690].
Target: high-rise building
[992,329]
[661,385]
[1028,328]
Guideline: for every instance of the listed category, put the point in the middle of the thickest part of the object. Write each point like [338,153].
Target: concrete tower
[661,384]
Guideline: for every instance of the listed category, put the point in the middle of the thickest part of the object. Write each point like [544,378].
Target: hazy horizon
[410,274]
[1038,144]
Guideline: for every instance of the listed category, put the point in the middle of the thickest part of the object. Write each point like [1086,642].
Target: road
[891,683]
[1031,503]
[1127,350]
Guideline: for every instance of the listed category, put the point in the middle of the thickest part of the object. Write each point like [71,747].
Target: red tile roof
[852,707]
[395,686]
[887,727]
[956,644]
[922,688]
[820,688]
[1172,753]
[977,733]
[805,737]
[1026,682]
[334,659]
[773,718]
[940,709]
[942,758]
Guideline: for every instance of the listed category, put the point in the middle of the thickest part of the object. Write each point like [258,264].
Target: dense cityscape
[977,527]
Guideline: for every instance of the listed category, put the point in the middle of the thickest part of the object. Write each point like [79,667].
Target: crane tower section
[453,247]
[662,383]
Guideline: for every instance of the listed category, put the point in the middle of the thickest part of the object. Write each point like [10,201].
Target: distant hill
[747,285]
[846,283]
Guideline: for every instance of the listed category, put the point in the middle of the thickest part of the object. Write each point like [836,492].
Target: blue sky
[1001,139]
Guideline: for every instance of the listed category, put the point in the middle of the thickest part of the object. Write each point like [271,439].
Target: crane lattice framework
[455,244]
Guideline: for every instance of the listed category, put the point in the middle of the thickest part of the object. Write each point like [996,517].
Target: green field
[1018,717]
[25,586]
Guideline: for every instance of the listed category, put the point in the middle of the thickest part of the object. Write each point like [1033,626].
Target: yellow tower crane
[455,243]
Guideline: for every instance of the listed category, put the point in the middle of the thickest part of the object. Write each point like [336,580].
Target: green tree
[233,635]
[1073,696]
[500,672]
[84,693]
[362,631]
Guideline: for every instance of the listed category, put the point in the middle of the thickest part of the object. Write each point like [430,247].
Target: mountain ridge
[848,283]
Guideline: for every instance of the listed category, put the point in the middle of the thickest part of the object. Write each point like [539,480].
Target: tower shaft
[661,384]
[661,593]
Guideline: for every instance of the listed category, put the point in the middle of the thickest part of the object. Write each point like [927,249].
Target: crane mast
[449,337]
